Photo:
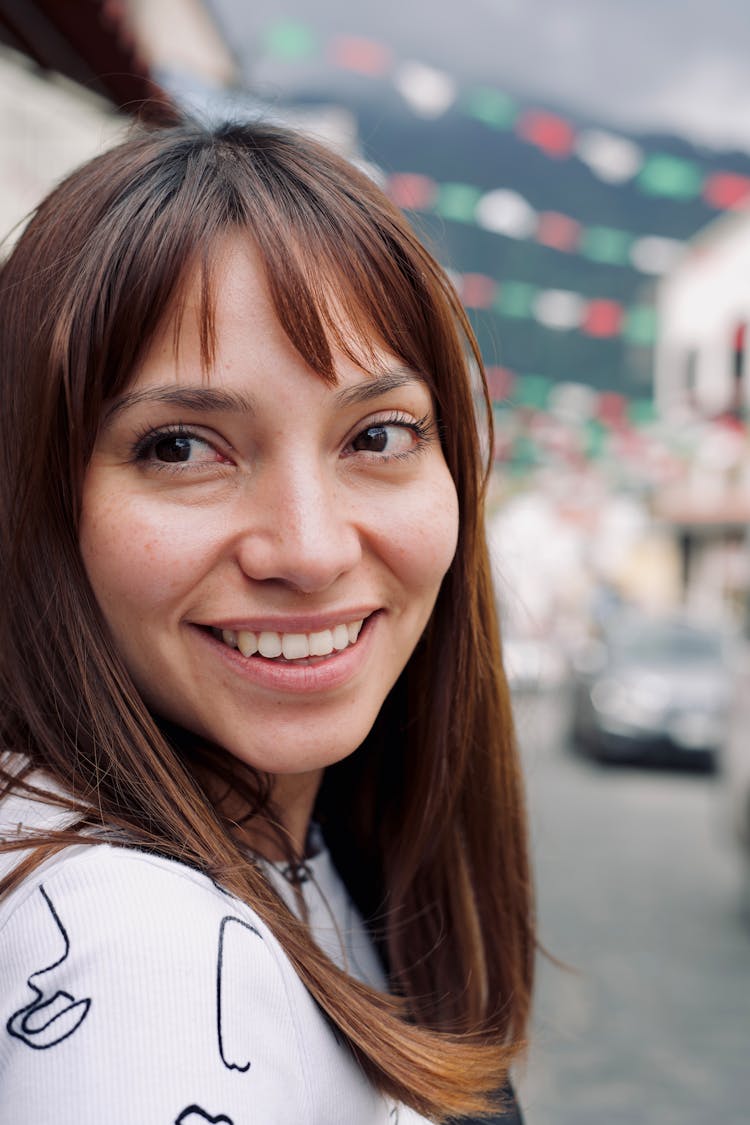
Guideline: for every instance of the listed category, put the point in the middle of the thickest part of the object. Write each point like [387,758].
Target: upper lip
[291,623]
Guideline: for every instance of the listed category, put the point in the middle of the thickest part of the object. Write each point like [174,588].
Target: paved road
[638,888]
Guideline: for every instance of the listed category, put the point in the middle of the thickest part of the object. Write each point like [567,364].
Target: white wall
[701,303]
[48,125]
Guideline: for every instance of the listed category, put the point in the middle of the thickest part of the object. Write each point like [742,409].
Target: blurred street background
[582,169]
[639,891]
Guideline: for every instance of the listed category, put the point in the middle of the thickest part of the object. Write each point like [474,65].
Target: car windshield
[667,643]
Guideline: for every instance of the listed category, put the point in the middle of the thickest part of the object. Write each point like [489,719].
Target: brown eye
[372,440]
[173,449]
[385,438]
[177,447]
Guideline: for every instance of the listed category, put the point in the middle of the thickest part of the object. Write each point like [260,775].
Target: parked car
[652,689]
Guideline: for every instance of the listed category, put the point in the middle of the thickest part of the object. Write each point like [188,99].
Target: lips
[302,674]
[291,646]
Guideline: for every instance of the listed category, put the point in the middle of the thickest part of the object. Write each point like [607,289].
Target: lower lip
[330,672]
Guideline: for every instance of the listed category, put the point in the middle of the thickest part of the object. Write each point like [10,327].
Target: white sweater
[134,991]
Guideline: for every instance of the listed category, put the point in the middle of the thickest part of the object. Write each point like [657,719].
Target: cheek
[423,536]
[134,555]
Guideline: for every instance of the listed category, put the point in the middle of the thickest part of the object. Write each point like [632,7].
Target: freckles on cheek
[424,542]
[129,550]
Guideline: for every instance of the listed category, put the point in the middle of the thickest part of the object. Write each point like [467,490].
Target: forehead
[248,342]
[221,299]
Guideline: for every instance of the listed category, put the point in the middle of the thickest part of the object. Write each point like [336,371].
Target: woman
[265,854]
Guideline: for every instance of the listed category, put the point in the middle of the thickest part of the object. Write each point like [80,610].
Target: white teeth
[293,646]
[340,637]
[247,643]
[269,644]
[321,644]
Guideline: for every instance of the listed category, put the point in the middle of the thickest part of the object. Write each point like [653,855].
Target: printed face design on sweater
[53,1015]
[195,1115]
[267,548]
[237,940]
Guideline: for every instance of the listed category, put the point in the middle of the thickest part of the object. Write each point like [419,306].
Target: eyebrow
[188,398]
[218,399]
[391,380]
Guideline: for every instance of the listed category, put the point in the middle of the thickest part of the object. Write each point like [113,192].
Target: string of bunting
[538,420]
[612,157]
[505,212]
[561,310]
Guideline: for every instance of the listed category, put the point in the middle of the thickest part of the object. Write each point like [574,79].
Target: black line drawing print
[231,1018]
[52,1017]
[195,1114]
[393,1115]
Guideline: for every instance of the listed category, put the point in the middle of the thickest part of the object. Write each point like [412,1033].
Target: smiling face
[265,547]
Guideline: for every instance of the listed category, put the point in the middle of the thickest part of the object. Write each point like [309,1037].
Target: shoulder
[142,983]
[118,896]
[124,923]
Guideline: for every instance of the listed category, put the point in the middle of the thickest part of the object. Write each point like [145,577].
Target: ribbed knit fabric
[133,991]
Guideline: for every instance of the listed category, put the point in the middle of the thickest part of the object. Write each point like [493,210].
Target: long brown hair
[426,819]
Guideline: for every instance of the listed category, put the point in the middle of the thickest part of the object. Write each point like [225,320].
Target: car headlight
[609,697]
[643,702]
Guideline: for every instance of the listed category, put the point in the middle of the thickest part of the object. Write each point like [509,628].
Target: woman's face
[266,548]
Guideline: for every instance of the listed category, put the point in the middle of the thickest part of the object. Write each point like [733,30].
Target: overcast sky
[675,64]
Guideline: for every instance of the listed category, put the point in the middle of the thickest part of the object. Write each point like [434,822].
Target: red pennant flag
[500,381]
[560,232]
[411,191]
[602,319]
[547,131]
[727,191]
[477,291]
[365,56]
[612,409]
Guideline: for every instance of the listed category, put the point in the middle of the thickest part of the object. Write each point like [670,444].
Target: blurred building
[72,76]
[702,388]
[704,312]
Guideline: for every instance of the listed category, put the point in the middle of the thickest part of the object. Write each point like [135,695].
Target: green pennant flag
[493,107]
[289,41]
[532,390]
[515,300]
[595,436]
[457,202]
[607,245]
[642,411]
[525,453]
[670,176]
[640,326]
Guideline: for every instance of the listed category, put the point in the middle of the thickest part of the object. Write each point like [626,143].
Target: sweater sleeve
[134,992]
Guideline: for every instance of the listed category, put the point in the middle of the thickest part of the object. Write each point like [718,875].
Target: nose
[301,529]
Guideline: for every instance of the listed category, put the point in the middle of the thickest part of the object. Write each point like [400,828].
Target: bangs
[341,273]
[126,235]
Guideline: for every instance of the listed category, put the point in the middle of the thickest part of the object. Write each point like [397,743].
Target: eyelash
[423,429]
[144,442]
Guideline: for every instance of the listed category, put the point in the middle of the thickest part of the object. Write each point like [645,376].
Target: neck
[293,797]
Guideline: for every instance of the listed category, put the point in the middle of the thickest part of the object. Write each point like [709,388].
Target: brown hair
[426,819]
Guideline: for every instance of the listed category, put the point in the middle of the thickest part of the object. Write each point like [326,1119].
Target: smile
[291,646]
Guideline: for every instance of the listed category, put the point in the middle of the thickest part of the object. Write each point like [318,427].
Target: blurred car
[652,689]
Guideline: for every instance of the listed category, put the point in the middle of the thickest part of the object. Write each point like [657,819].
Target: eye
[176,446]
[385,437]
[398,436]
[180,448]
